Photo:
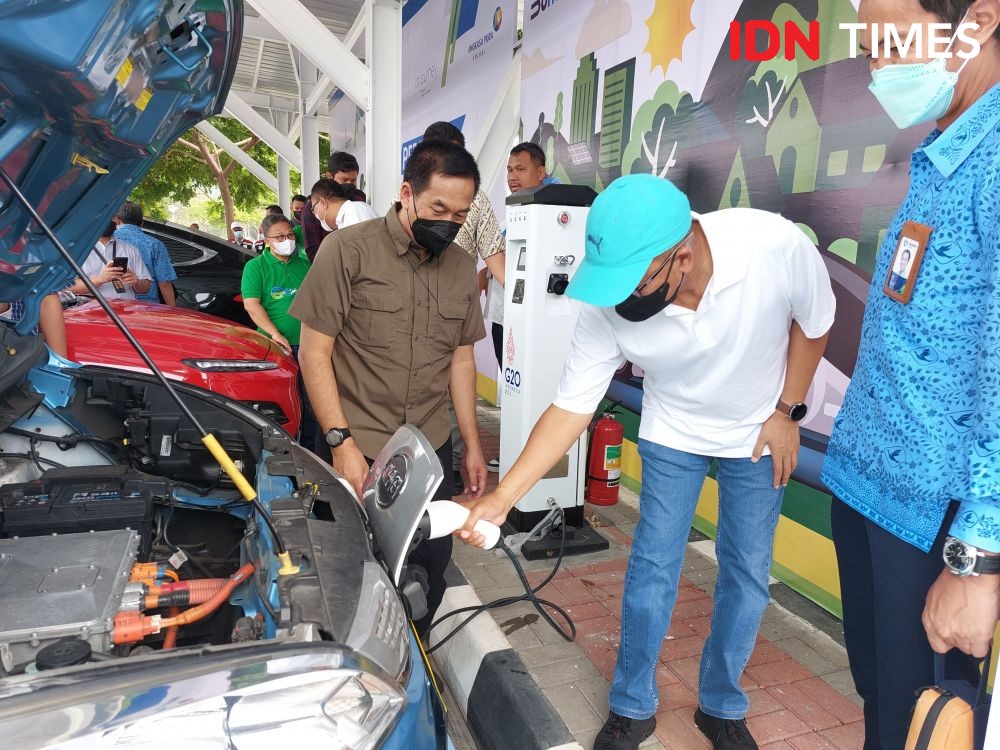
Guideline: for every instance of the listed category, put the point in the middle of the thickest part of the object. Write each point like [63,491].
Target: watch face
[334,438]
[798,412]
[958,557]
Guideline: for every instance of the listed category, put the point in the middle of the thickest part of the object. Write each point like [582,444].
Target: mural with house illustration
[616,87]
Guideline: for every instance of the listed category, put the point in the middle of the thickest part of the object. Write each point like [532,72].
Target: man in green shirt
[270,283]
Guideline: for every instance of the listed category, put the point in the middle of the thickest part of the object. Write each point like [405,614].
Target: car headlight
[322,697]
[380,629]
[231,365]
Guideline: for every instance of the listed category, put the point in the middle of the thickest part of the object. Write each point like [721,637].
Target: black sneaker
[725,734]
[622,733]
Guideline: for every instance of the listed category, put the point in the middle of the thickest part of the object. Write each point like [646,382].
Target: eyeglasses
[282,237]
[671,254]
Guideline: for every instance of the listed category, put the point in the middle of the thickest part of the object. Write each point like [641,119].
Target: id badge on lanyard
[904,270]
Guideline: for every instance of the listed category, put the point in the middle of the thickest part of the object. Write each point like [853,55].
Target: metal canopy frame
[297,54]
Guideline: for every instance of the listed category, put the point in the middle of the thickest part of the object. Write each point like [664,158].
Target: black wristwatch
[963,559]
[795,412]
[336,436]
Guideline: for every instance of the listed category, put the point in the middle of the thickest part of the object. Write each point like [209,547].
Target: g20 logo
[497,18]
[537,6]
[512,377]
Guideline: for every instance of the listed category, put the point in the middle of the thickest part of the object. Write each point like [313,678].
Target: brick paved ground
[801,693]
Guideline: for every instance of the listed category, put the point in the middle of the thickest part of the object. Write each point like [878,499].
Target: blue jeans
[748,514]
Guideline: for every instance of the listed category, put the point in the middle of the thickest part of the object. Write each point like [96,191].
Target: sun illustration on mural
[669,26]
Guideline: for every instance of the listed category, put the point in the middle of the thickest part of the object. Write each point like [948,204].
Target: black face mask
[433,236]
[297,214]
[637,308]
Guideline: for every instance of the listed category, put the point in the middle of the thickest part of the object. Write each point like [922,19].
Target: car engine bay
[126,538]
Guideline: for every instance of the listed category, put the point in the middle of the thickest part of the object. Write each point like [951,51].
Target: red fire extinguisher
[604,462]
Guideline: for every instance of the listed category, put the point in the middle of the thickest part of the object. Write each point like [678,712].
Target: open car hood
[92,92]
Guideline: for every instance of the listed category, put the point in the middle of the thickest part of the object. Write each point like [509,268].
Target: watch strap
[987,564]
[795,412]
[344,435]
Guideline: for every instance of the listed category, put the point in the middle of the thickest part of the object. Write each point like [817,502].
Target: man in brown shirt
[390,312]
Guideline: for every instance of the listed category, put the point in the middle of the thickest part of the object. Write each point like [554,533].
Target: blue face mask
[912,93]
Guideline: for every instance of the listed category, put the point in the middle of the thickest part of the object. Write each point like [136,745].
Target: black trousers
[884,582]
[435,554]
[498,343]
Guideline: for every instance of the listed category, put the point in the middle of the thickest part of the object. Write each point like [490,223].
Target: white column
[281,120]
[382,126]
[284,185]
[310,153]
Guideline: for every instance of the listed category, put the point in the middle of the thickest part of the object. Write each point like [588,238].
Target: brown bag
[941,721]
[951,715]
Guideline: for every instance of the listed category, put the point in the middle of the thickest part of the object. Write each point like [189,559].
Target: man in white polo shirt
[115,279]
[728,315]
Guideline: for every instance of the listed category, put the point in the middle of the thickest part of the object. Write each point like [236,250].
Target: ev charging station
[546,234]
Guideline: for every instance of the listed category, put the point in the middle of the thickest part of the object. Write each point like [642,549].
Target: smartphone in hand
[122,263]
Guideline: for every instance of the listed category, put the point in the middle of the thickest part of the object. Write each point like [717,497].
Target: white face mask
[238,234]
[914,93]
[322,221]
[284,248]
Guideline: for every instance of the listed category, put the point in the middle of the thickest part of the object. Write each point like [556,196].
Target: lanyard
[114,251]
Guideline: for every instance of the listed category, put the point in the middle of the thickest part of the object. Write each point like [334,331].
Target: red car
[192,347]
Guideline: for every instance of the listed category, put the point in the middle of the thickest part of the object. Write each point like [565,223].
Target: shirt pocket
[447,328]
[375,318]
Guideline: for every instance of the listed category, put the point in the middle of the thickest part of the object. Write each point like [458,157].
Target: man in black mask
[390,312]
[728,315]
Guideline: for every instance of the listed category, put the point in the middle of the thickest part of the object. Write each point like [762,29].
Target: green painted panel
[809,507]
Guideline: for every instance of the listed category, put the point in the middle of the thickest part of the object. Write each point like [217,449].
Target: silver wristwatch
[963,559]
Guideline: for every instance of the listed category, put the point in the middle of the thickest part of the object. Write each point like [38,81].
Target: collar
[728,267]
[400,238]
[949,150]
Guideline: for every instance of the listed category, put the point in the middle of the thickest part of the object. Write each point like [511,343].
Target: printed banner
[617,87]
[455,56]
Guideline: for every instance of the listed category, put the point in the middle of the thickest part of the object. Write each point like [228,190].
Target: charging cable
[530,594]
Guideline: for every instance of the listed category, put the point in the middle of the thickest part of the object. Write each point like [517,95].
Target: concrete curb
[503,705]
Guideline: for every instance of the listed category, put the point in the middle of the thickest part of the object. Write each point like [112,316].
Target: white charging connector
[447,517]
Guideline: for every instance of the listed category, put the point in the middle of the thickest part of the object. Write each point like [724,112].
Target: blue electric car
[142,602]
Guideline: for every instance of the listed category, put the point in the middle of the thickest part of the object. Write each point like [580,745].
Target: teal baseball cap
[635,219]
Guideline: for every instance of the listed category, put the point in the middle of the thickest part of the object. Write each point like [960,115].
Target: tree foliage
[195,166]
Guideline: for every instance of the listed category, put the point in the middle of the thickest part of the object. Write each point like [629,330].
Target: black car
[209,270]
